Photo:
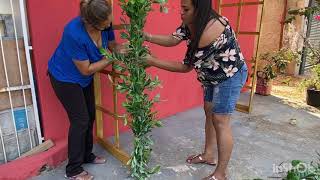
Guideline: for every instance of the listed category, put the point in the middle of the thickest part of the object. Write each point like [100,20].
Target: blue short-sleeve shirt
[76,44]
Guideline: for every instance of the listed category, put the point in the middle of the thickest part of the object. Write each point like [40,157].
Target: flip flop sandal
[84,175]
[202,161]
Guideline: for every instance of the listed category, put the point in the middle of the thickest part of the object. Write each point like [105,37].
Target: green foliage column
[136,84]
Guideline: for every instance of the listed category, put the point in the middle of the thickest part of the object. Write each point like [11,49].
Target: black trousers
[80,107]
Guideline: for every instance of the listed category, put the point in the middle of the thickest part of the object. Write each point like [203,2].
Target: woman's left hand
[122,48]
[150,60]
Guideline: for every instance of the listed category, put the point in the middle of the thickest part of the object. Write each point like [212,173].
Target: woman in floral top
[214,53]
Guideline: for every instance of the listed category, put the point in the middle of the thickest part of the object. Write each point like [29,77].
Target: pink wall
[46,22]
[47,18]
[180,91]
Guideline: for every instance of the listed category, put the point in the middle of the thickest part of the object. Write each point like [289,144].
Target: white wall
[5,8]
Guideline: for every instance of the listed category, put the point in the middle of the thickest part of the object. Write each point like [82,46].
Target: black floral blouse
[216,62]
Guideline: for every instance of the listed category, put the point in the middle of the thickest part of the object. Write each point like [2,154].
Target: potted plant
[312,86]
[312,83]
[275,62]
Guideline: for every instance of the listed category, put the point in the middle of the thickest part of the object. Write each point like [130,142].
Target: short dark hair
[94,12]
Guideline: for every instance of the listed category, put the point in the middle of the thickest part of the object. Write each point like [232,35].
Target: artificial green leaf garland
[136,84]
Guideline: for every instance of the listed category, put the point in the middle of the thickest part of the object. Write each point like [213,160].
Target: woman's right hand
[147,36]
[172,66]
[149,59]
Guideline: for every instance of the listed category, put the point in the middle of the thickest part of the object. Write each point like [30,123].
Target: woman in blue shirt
[71,70]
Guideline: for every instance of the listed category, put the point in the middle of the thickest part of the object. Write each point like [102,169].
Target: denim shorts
[224,96]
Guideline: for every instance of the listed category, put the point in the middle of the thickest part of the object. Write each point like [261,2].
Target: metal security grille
[315,30]
[19,120]
[314,37]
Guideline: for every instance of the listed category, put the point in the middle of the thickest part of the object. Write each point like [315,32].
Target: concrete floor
[263,140]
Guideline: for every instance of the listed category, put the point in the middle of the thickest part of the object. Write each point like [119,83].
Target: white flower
[212,64]
[201,75]
[179,34]
[220,41]
[215,65]
[199,54]
[214,82]
[198,64]
[229,55]
[241,56]
[230,71]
